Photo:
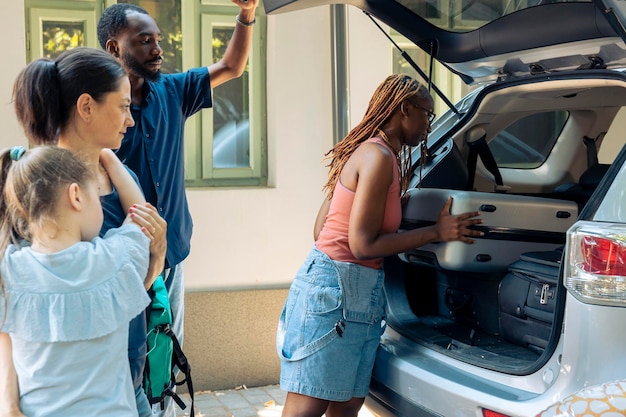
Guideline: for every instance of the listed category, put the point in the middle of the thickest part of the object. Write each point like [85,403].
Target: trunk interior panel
[455,313]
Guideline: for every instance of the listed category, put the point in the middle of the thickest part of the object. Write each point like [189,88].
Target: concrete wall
[230,337]
[12,30]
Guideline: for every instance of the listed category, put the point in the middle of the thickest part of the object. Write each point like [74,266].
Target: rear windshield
[467,15]
[527,143]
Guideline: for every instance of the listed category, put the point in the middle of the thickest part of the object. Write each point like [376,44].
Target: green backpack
[164,351]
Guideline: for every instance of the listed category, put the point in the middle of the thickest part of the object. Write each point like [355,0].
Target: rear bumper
[383,402]
[410,379]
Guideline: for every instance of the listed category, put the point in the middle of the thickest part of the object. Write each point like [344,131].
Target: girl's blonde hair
[31,182]
[389,95]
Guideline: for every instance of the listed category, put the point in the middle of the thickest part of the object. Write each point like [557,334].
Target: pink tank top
[333,239]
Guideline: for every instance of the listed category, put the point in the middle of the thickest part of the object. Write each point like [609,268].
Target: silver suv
[536,309]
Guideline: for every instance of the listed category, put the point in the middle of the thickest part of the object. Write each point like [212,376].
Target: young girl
[332,321]
[68,295]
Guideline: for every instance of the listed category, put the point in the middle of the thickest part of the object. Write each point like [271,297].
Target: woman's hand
[155,227]
[152,224]
[456,227]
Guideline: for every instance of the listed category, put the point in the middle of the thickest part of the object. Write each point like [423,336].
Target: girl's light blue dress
[67,314]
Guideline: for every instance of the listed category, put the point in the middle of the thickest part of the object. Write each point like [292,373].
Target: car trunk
[466,304]
[535,77]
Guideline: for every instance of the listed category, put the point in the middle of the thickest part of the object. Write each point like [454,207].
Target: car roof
[483,40]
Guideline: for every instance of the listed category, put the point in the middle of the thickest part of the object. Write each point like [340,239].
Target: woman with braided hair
[333,317]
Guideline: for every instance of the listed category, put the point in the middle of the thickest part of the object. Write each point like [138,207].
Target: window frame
[196,20]
[36,16]
[198,23]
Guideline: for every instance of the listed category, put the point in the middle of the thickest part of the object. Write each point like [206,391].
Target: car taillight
[489,413]
[595,265]
[603,256]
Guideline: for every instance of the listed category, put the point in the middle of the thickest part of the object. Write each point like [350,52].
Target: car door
[486,40]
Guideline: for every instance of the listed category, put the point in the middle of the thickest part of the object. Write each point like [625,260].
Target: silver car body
[555,68]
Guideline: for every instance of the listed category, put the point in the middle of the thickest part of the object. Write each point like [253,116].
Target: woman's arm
[369,173]
[9,390]
[155,227]
[143,214]
[128,190]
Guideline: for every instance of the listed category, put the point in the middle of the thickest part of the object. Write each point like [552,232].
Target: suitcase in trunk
[512,224]
[527,297]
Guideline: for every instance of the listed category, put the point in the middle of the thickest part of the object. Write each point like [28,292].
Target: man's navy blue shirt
[153,149]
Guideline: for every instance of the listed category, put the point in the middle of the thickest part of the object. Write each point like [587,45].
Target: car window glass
[613,141]
[527,143]
[467,15]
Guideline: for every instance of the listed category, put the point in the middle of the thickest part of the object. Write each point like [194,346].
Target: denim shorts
[330,328]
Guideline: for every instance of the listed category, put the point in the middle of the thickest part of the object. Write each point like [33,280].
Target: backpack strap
[171,352]
[180,360]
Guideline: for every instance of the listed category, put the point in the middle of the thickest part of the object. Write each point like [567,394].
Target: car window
[613,140]
[527,143]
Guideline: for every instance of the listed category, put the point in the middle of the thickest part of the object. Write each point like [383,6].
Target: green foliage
[221,37]
[61,36]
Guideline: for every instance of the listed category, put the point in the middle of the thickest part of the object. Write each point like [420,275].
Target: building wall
[230,337]
[264,235]
[11,29]
[249,242]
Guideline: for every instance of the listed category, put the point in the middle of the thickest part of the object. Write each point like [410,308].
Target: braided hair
[389,95]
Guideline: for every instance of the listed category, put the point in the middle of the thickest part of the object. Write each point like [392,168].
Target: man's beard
[139,70]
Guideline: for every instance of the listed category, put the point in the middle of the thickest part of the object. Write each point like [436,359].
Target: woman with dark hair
[81,102]
[333,318]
